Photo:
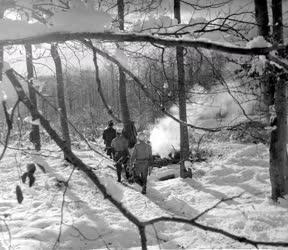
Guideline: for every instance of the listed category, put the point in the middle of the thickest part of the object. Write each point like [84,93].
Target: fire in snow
[213,109]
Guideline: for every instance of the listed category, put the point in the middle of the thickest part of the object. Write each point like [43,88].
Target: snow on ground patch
[91,222]
[113,188]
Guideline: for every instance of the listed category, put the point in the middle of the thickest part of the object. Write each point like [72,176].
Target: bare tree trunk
[278,153]
[262,18]
[61,95]
[35,133]
[1,47]
[129,129]
[184,139]
[99,86]
[267,85]
[277,21]
[278,150]
[123,98]
[125,114]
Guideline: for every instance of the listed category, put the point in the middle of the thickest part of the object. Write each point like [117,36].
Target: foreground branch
[62,209]
[50,37]
[235,237]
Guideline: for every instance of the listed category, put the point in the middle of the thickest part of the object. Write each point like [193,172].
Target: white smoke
[210,110]
[165,135]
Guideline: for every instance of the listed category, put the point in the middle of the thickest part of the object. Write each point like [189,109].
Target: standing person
[141,158]
[121,154]
[108,135]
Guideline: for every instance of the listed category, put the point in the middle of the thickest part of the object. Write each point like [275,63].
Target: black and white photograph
[143,124]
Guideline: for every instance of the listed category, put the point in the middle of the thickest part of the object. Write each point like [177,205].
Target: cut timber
[166,177]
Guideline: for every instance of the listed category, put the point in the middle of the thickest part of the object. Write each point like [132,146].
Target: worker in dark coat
[108,135]
[141,160]
[121,154]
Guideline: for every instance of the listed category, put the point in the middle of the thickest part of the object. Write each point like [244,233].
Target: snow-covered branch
[50,37]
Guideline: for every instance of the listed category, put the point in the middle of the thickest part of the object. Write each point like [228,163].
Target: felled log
[166,177]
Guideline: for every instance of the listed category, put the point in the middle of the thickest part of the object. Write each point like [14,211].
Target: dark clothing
[108,135]
[121,155]
[120,143]
[141,159]
[141,173]
[121,158]
[142,151]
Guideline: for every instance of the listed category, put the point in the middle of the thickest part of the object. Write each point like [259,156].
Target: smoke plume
[214,109]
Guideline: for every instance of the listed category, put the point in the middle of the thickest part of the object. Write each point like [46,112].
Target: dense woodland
[149,59]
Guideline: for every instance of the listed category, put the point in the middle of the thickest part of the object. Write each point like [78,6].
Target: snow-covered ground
[89,222]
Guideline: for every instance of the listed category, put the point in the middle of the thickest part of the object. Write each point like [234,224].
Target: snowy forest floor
[90,222]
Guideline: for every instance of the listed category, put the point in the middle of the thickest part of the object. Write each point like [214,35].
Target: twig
[26,151]
[9,232]
[86,238]
[219,202]
[100,91]
[62,209]
[80,233]
[157,237]
[9,121]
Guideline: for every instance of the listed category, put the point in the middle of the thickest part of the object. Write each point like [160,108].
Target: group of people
[138,165]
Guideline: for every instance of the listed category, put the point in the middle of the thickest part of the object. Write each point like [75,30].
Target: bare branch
[8,230]
[198,6]
[9,121]
[216,230]
[62,209]
[100,91]
[82,234]
[219,202]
